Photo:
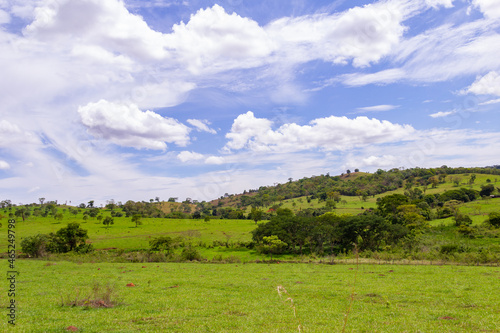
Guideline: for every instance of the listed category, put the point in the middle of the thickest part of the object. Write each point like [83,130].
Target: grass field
[171,297]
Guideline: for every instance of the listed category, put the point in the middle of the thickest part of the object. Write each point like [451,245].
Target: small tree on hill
[494,219]
[136,218]
[108,220]
[256,214]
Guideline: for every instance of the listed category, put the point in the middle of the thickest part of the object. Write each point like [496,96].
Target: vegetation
[243,298]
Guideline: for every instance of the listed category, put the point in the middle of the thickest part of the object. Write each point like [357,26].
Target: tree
[272,244]
[108,220]
[35,246]
[162,243]
[91,204]
[256,214]
[41,200]
[389,204]
[494,219]
[136,218]
[68,239]
[487,190]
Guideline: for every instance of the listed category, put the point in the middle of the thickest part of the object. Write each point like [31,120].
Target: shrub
[35,246]
[190,253]
[494,219]
[162,243]
[462,220]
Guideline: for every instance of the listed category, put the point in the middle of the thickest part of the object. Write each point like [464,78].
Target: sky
[133,100]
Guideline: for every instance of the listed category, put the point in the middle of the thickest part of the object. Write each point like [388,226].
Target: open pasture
[187,297]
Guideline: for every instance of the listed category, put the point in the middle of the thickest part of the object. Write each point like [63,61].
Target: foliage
[35,246]
[108,220]
[136,218]
[272,245]
[162,243]
[494,219]
[71,238]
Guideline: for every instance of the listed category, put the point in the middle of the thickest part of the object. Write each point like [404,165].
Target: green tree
[136,218]
[390,203]
[162,243]
[35,246]
[487,190]
[68,239]
[494,219]
[108,220]
[273,245]
[256,214]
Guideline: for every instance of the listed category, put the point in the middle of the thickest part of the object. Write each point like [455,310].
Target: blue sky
[137,99]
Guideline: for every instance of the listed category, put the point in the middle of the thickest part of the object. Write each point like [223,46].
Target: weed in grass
[281,290]
[351,301]
[99,297]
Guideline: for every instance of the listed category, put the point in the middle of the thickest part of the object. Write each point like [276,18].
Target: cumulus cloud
[490,8]
[4,165]
[488,84]
[202,125]
[215,160]
[361,34]
[214,40]
[104,23]
[188,156]
[438,54]
[127,125]
[331,133]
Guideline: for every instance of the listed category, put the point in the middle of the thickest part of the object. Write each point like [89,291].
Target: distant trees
[329,233]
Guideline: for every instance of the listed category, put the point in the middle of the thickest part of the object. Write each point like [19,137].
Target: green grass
[189,297]
[124,235]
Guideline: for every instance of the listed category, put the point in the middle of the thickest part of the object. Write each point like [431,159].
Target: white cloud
[92,22]
[127,125]
[436,3]
[490,8]
[442,114]
[378,108]
[214,41]
[439,54]
[332,133]
[380,161]
[361,34]
[188,156]
[493,101]
[489,84]
[215,160]
[11,136]
[4,17]
[4,165]
[201,125]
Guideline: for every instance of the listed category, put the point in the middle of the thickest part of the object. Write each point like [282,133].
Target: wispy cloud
[442,114]
[377,108]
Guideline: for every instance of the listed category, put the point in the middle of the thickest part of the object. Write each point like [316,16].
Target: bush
[462,220]
[35,246]
[494,219]
[190,253]
[162,243]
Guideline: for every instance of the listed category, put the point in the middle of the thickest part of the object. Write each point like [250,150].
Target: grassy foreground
[191,297]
